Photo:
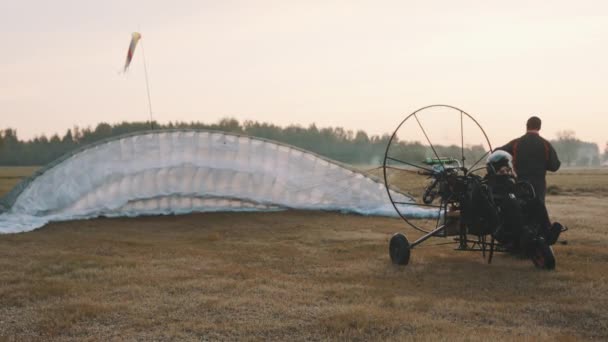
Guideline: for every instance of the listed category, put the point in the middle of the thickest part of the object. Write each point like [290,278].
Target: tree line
[333,142]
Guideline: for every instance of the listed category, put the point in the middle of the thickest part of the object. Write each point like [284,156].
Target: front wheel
[399,249]
[542,255]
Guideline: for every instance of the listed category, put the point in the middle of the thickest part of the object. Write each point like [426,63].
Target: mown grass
[578,182]
[10,176]
[568,181]
[295,276]
[290,275]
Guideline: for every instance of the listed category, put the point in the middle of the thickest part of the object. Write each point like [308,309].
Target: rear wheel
[542,255]
[399,249]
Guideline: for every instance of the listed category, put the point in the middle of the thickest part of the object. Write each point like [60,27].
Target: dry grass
[568,181]
[294,276]
[10,176]
[579,182]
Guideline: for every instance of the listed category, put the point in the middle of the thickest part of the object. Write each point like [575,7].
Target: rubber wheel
[542,255]
[399,249]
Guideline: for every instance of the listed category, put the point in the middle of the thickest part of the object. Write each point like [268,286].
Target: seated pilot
[522,217]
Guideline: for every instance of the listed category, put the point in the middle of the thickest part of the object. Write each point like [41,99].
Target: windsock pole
[147,85]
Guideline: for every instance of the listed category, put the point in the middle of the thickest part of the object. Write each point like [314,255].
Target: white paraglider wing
[176,172]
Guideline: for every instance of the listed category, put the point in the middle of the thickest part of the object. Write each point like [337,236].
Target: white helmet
[498,159]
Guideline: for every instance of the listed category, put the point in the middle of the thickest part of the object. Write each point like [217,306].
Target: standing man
[533,156]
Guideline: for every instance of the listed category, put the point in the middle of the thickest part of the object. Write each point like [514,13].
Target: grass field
[10,176]
[298,275]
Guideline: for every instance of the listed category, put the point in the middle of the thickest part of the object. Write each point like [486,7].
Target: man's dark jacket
[533,156]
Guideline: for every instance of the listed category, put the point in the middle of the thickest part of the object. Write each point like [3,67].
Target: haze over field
[331,77]
[353,64]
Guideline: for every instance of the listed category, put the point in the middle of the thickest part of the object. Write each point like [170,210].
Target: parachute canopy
[184,171]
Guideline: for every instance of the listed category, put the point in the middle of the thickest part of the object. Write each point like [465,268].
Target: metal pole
[147,84]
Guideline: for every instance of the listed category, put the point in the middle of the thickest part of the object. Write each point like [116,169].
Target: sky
[355,64]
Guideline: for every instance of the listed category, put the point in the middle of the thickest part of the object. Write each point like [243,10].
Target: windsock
[135,37]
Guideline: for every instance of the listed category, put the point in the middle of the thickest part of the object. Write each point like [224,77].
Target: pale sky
[356,64]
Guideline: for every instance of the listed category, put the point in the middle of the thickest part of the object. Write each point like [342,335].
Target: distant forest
[333,142]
